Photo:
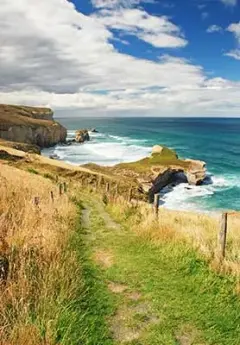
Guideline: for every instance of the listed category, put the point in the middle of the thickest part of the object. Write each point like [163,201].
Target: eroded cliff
[30,125]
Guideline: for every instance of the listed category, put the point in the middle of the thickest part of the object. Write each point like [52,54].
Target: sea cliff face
[30,125]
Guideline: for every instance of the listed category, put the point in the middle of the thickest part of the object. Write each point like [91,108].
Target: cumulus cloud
[157,31]
[51,54]
[214,28]
[235,29]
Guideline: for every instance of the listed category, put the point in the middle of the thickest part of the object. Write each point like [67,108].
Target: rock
[30,125]
[93,130]
[82,135]
[54,156]
[21,146]
[157,149]
[163,152]
[163,168]
[196,172]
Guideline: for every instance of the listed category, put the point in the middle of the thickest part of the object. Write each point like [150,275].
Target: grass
[52,295]
[71,283]
[165,159]
[198,230]
[189,302]
[49,176]
[33,171]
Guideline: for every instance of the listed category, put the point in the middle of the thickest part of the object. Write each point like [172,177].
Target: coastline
[107,149]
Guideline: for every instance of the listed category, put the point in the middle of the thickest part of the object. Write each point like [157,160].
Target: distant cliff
[30,125]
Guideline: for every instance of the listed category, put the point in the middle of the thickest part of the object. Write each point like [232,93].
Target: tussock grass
[53,294]
[42,272]
[197,229]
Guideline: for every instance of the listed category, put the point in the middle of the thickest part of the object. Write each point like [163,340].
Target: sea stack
[82,135]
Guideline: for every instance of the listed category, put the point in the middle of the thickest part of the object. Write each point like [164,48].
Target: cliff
[30,125]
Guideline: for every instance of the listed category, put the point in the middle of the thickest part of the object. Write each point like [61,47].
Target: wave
[103,149]
[108,149]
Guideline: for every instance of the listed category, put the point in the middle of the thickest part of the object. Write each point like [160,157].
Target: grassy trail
[162,295]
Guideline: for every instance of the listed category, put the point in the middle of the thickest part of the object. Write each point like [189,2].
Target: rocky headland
[162,168]
[29,128]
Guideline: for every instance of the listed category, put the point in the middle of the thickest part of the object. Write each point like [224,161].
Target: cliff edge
[30,125]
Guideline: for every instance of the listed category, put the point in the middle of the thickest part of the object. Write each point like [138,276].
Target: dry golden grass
[33,238]
[198,229]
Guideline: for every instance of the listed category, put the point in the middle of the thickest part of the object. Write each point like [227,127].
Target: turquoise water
[216,141]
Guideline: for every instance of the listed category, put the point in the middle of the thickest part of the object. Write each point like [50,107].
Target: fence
[105,187]
[223,229]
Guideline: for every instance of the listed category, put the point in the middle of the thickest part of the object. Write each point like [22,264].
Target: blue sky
[194,17]
[122,57]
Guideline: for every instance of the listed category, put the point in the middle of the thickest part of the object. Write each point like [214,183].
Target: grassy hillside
[92,268]
[51,291]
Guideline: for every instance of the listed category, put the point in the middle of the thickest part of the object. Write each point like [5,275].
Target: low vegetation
[165,292]
[199,230]
[92,268]
[52,294]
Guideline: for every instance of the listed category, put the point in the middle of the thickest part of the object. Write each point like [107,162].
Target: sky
[122,57]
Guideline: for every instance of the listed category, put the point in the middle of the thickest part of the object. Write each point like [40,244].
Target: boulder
[82,135]
[93,130]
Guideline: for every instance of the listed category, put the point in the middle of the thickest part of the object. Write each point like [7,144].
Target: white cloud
[229,2]
[214,28]
[234,54]
[157,31]
[50,54]
[235,29]
[118,3]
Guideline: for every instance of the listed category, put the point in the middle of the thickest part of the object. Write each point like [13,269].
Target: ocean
[213,140]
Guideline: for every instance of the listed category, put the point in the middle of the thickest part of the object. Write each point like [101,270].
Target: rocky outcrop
[196,172]
[30,125]
[21,146]
[82,135]
[161,169]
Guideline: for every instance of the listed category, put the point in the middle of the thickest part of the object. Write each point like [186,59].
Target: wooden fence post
[36,200]
[156,204]
[4,269]
[100,181]
[52,196]
[60,189]
[130,194]
[107,187]
[223,235]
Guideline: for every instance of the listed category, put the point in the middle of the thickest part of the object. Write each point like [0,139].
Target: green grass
[49,176]
[166,158]
[83,320]
[188,299]
[33,171]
